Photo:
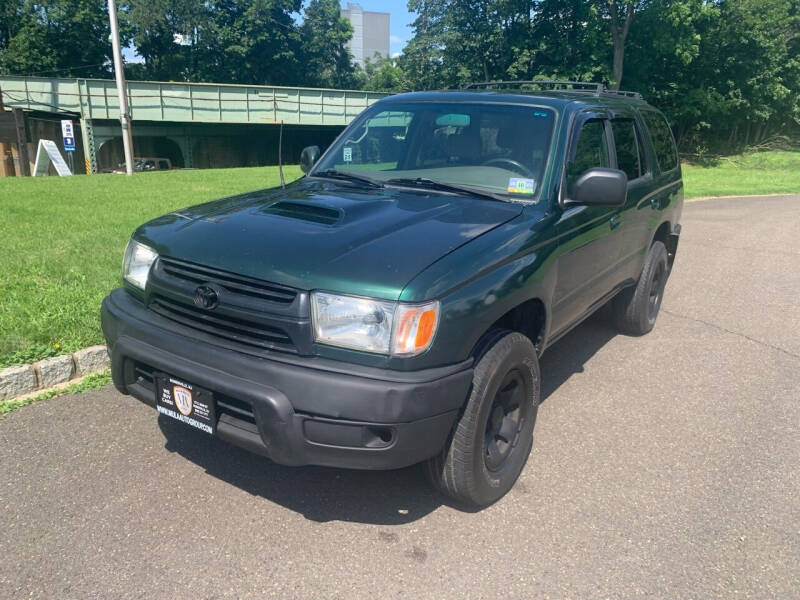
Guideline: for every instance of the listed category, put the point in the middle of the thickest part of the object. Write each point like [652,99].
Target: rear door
[588,235]
[631,157]
[667,188]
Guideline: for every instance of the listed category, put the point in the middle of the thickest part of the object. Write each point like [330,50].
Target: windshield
[498,148]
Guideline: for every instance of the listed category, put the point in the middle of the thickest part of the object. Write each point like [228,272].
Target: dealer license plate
[185,402]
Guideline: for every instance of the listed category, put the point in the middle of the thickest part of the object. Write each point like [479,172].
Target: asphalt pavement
[666,466]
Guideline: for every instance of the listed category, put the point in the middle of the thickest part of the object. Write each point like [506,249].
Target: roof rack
[577,86]
[623,93]
[587,87]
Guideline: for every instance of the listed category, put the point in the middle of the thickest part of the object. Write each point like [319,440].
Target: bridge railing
[189,102]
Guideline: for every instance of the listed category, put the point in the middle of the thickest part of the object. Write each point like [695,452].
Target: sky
[399,21]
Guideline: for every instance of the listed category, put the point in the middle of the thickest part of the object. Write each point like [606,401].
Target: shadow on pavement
[375,497]
[568,356]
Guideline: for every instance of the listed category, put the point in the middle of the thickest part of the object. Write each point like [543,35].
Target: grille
[242,331]
[239,284]
[239,411]
[144,376]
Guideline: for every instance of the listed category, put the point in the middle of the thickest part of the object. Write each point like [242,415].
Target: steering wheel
[515,165]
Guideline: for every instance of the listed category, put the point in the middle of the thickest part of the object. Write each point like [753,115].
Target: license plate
[185,402]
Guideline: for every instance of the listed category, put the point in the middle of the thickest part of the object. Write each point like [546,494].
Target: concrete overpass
[184,114]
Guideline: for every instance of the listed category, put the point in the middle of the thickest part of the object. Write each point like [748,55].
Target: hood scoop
[305,212]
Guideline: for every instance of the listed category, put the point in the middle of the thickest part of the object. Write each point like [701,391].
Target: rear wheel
[492,439]
[636,309]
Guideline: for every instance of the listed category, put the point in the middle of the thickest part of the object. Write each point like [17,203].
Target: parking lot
[664,467]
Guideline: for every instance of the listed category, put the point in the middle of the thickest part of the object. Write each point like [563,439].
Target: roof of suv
[554,98]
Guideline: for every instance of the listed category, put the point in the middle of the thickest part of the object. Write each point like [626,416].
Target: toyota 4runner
[391,307]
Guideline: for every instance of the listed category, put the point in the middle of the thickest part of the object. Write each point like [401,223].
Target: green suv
[390,307]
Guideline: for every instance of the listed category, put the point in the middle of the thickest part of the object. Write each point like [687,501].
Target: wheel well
[528,318]
[662,234]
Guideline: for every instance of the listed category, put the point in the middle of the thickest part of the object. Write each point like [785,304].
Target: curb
[24,380]
[704,198]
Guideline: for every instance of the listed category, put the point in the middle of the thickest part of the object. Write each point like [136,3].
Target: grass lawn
[62,242]
[62,238]
[775,172]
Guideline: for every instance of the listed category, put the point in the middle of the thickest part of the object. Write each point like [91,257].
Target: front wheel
[493,437]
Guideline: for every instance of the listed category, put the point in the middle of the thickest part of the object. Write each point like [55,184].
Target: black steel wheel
[636,309]
[492,439]
[506,417]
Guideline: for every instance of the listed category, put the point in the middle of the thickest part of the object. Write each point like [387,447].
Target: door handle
[615,221]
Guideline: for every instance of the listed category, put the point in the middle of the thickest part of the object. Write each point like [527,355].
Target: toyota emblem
[206,297]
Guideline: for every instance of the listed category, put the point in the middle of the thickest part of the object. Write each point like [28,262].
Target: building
[370,33]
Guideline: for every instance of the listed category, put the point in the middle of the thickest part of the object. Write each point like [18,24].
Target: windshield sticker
[348,155]
[518,185]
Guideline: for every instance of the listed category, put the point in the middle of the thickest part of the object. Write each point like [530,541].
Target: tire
[479,464]
[636,309]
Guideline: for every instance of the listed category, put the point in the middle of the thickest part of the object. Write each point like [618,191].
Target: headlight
[378,326]
[136,265]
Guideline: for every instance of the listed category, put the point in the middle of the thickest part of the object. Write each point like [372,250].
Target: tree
[324,35]
[423,57]
[67,38]
[620,16]
[567,42]
[168,35]
[385,75]
[241,41]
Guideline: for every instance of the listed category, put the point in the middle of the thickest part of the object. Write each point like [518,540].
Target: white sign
[68,134]
[46,154]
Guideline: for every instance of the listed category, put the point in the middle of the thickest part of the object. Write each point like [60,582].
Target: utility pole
[122,89]
[6,161]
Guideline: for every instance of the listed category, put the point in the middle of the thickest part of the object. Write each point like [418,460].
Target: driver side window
[590,150]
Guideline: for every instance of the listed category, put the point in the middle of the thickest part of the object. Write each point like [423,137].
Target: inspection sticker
[348,155]
[519,185]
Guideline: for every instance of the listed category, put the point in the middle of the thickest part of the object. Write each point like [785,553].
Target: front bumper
[294,410]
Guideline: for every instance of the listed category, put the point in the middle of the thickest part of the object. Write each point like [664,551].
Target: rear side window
[663,144]
[627,141]
[590,150]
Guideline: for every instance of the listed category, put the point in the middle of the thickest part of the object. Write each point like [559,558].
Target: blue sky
[399,22]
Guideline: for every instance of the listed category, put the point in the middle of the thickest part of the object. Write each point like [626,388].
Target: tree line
[726,72]
[279,42]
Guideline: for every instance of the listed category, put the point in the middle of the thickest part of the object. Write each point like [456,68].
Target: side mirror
[308,157]
[600,187]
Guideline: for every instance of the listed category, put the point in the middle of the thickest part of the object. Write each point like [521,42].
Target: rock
[55,370]
[91,360]
[17,381]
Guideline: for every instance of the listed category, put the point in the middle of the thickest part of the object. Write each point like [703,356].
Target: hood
[332,236]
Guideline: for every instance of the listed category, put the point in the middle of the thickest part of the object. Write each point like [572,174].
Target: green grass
[90,382]
[62,242]
[775,172]
[62,239]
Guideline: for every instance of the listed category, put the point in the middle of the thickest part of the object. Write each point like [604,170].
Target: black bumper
[294,410]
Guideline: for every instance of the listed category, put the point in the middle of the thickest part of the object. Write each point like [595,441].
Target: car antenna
[280,156]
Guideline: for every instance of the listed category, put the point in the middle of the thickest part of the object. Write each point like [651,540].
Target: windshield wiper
[430,184]
[347,176]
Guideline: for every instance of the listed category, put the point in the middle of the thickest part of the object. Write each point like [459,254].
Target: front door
[588,235]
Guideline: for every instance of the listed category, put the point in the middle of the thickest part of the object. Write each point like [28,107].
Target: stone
[91,359]
[17,381]
[55,370]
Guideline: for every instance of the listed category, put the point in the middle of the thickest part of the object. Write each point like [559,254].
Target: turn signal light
[415,327]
